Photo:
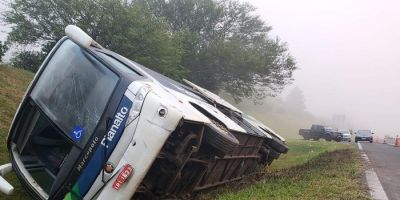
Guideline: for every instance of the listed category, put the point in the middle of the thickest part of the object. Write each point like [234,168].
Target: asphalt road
[385,160]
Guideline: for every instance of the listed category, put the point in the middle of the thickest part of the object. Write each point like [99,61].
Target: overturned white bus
[95,125]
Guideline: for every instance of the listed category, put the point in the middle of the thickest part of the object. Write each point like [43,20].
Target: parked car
[317,132]
[96,125]
[364,135]
[345,135]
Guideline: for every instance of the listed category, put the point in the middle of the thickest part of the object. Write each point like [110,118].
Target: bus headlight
[137,104]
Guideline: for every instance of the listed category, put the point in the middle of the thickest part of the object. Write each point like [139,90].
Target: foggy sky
[348,53]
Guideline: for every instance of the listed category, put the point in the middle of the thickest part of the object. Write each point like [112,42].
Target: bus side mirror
[79,36]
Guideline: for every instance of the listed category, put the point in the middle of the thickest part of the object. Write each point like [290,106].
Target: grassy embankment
[13,83]
[311,170]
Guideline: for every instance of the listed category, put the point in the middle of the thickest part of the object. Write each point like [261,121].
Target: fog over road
[385,160]
[348,55]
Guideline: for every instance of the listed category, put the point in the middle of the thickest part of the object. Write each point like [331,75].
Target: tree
[28,60]
[295,100]
[3,49]
[227,47]
[125,28]
[218,44]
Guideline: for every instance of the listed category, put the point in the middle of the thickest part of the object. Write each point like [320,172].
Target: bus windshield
[73,91]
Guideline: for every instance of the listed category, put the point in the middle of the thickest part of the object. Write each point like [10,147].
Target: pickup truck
[317,132]
[96,125]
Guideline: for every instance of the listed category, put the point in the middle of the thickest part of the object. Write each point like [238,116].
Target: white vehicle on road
[346,135]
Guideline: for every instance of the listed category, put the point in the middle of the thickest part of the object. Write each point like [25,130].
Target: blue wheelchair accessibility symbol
[77,133]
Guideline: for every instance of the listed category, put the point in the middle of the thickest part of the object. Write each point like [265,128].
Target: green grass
[302,152]
[311,170]
[13,83]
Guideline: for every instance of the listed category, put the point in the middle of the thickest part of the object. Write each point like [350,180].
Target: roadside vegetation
[310,170]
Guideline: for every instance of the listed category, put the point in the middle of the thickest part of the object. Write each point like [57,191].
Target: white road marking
[375,186]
